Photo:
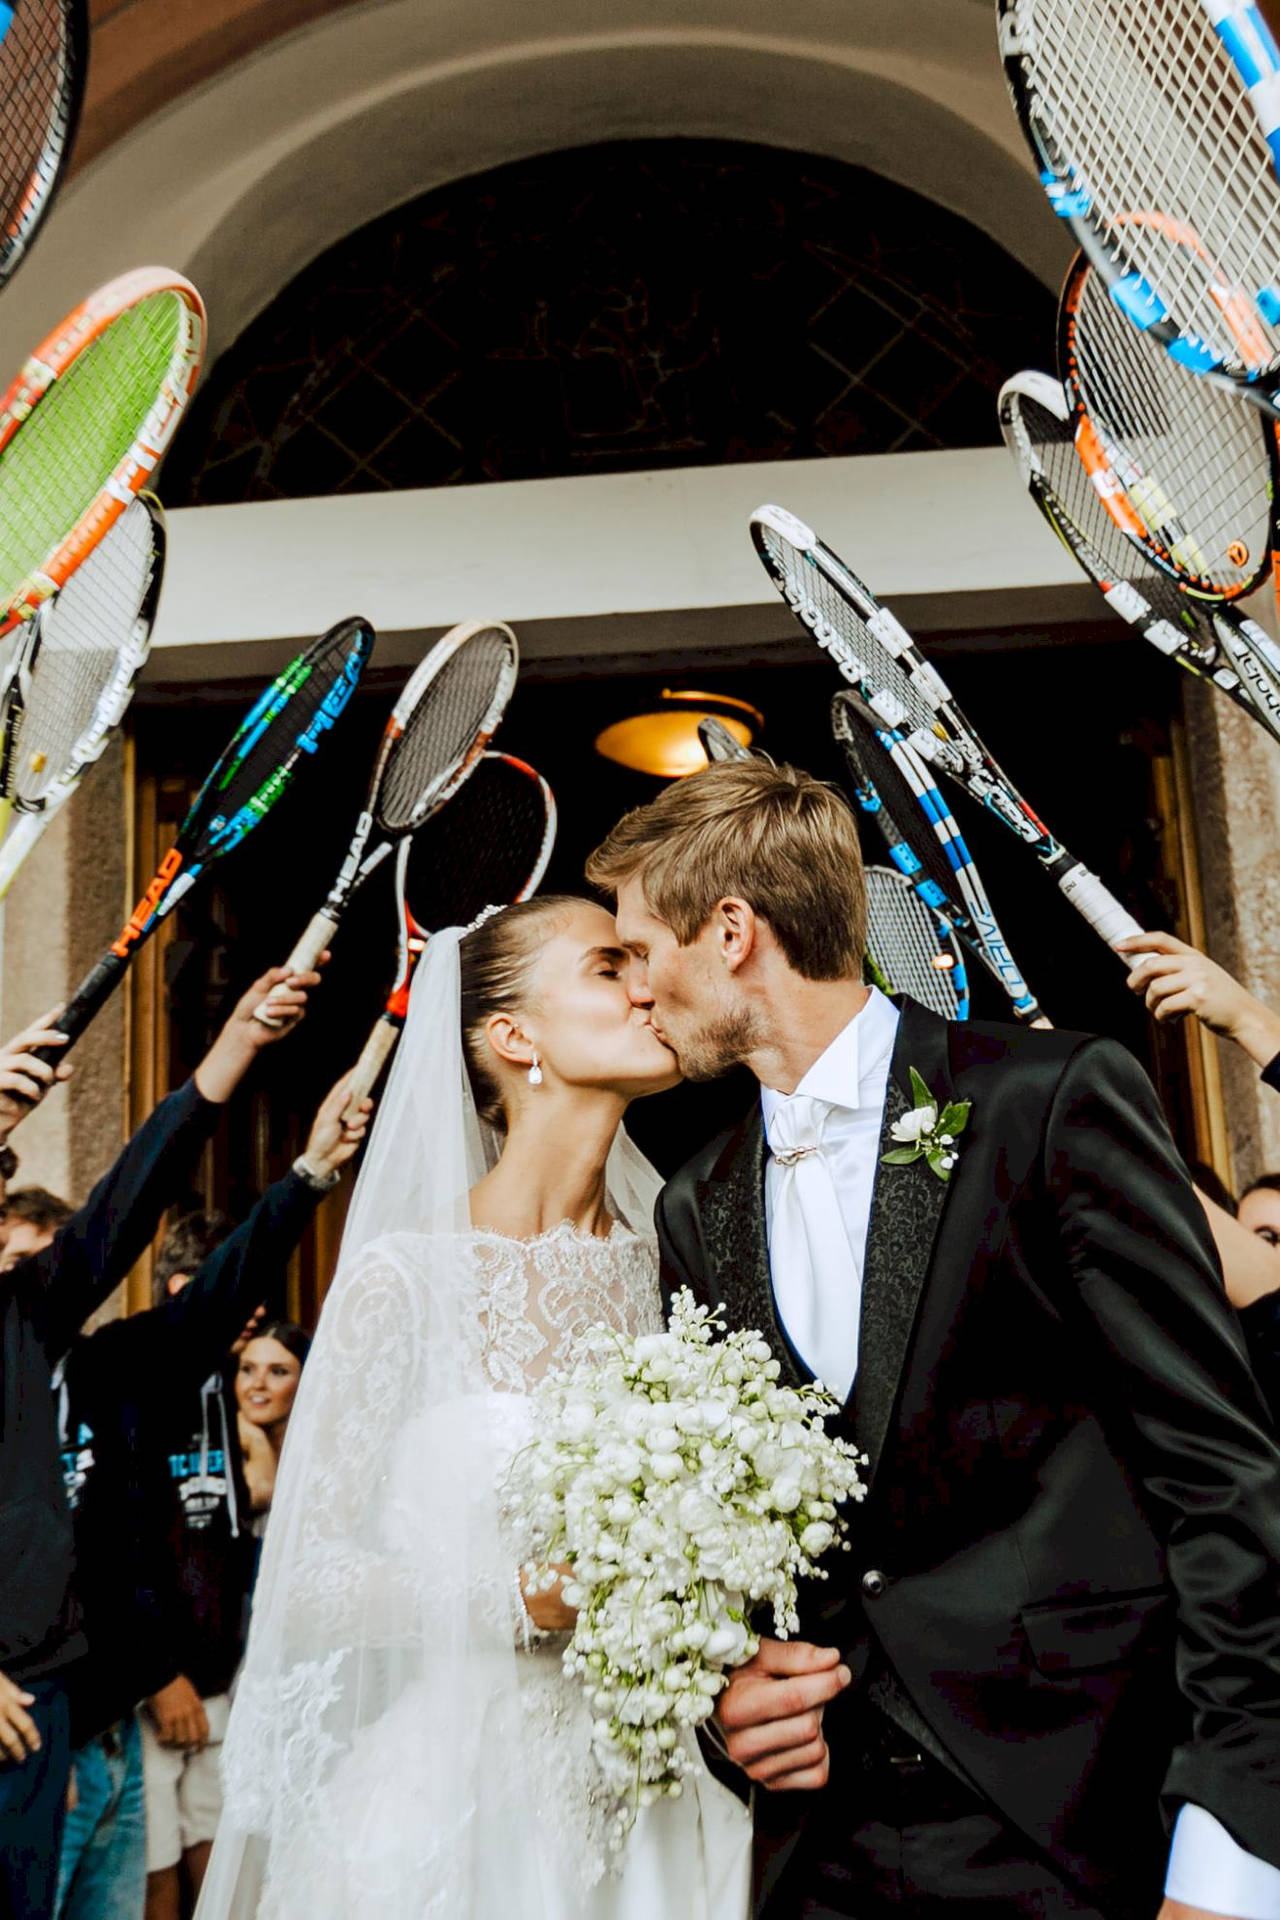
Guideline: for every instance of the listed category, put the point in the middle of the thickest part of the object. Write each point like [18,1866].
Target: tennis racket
[85,424]
[1213,640]
[1156,128]
[895,787]
[719,744]
[44,57]
[282,732]
[433,739]
[1185,467]
[81,655]
[877,655]
[491,843]
[913,950]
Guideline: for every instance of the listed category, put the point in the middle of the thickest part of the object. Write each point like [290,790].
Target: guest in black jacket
[44,1300]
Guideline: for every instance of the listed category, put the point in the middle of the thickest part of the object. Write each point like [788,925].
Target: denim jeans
[103,1872]
[33,1797]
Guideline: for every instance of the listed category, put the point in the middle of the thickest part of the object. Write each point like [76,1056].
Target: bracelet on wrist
[314,1178]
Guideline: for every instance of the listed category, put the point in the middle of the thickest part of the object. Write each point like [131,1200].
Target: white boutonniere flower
[927,1133]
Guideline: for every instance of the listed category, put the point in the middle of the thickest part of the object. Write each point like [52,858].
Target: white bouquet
[685,1488]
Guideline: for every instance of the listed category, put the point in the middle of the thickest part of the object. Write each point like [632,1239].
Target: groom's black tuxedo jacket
[1069,1556]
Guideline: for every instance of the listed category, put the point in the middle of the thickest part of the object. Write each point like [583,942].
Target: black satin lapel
[737,1241]
[906,1209]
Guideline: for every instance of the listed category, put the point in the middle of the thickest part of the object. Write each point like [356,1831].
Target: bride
[404,1741]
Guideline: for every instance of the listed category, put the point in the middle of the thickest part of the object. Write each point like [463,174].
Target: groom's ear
[736,931]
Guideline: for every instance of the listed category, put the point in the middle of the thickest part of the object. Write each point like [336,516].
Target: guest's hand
[1179,1910]
[25,1081]
[19,1734]
[771,1714]
[1174,979]
[243,1038]
[332,1140]
[179,1715]
[545,1605]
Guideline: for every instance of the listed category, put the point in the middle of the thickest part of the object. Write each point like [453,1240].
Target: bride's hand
[545,1606]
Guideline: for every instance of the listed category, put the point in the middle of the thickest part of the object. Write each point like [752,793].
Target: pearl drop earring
[535,1072]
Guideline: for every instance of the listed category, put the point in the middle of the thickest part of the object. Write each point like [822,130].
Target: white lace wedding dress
[394,1748]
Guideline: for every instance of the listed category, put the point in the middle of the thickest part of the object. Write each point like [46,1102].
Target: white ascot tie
[815,1277]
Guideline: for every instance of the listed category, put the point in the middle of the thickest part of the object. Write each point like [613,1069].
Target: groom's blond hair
[772,836]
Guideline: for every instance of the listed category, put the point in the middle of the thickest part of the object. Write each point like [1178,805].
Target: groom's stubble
[722,1043]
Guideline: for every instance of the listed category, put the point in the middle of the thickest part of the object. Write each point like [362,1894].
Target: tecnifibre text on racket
[914,951]
[489,846]
[85,424]
[83,652]
[1211,639]
[895,787]
[434,736]
[282,732]
[1155,127]
[44,57]
[878,657]
[1186,467]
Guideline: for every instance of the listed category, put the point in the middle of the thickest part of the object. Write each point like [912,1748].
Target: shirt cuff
[1271,1073]
[1208,1869]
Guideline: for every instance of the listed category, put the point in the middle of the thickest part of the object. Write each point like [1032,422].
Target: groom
[1057,1638]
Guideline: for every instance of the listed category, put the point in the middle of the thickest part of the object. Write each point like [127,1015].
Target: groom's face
[692,998]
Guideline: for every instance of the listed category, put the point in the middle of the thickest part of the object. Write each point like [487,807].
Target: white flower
[817,1537]
[910,1127]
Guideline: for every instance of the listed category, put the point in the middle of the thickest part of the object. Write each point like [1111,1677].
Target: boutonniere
[927,1134]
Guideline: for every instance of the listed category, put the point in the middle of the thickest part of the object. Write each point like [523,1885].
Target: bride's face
[580,1017]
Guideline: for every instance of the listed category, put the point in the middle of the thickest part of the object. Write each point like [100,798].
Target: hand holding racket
[30,1065]
[283,730]
[44,57]
[434,736]
[490,845]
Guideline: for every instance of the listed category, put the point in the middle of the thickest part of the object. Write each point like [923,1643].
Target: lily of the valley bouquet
[687,1490]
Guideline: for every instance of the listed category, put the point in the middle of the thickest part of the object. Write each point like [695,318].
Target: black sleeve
[1172,1365]
[1271,1074]
[1261,1323]
[248,1270]
[89,1257]
[680,1252]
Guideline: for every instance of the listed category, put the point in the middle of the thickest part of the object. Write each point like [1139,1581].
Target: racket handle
[88,999]
[1100,907]
[18,844]
[303,959]
[377,1050]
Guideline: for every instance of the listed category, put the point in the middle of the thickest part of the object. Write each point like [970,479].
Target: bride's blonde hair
[496,959]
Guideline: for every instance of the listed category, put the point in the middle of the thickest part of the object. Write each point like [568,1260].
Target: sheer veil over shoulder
[395,1747]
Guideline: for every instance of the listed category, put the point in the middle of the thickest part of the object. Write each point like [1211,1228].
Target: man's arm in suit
[1173,1368]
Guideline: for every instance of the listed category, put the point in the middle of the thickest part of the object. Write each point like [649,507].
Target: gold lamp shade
[664,741]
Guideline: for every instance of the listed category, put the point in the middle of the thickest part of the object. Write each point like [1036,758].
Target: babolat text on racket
[44,57]
[1156,128]
[914,951]
[1185,467]
[85,424]
[78,662]
[896,788]
[878,657]
[435,734]
[1209,638]
[283,731]
[489,845]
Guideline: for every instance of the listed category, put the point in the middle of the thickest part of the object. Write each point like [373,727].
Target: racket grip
[87,1001]
[1099,906]
[377,1050]
[303,959]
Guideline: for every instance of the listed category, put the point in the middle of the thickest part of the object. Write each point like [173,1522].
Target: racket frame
[952,971]
[45,178]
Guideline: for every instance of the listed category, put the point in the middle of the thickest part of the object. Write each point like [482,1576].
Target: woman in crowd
[267,1379]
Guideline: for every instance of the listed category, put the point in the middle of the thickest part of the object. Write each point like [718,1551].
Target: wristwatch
[319,1182]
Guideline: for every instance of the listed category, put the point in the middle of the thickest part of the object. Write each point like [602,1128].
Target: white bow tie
[815,1279]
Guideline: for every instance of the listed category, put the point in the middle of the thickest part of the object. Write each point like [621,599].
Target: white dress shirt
[1207,1868]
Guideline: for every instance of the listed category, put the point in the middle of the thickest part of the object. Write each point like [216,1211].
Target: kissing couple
[1046,1679]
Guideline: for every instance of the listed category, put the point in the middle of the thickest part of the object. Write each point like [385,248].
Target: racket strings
[1110,81]
[451,714]
[37,87]
[485,846]
[53,468]
[1193,459]
[907,945]
[85,665]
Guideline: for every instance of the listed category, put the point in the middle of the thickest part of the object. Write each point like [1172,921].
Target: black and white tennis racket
[914,951]
[44,57]
[1209,638]
[1185,467]
[895,787]
[489,845]
[718,743]
[75,668]
[283,732]
[878,657]
[1156,126]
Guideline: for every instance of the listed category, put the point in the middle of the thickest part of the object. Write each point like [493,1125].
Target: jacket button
[874,1583]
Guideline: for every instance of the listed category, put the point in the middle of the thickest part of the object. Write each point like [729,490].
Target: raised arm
[1175,979]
